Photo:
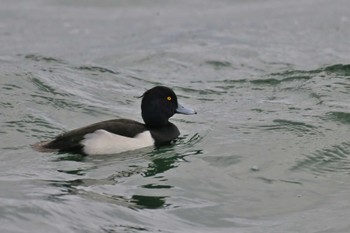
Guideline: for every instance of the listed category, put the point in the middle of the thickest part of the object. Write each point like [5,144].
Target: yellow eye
[168,98]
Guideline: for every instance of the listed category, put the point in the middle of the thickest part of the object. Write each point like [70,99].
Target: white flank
[102,142]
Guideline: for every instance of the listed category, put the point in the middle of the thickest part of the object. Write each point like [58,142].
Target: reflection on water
[160,165]
[151,164]
[148,202]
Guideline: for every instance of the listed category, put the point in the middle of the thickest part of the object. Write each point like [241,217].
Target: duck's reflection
[151,165]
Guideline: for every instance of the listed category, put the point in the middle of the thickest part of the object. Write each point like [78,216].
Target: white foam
[102,142]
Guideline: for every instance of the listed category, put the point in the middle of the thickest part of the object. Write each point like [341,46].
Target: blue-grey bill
[184,110]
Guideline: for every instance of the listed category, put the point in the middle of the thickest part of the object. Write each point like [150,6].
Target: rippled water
[268,151]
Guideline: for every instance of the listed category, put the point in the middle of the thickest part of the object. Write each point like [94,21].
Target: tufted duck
[118,135]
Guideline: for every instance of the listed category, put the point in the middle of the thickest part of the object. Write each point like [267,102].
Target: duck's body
[115,136]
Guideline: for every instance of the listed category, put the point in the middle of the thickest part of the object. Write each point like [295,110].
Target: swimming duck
[119,135]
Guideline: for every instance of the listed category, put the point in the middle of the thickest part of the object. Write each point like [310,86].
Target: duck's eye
[168,98]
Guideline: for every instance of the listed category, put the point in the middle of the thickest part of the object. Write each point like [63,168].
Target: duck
[119,135]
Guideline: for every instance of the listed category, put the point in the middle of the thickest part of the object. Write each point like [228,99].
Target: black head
[159,104]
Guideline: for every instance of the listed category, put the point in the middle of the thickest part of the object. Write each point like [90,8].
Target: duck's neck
[156,123]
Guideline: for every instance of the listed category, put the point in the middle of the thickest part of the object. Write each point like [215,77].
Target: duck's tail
[42,147]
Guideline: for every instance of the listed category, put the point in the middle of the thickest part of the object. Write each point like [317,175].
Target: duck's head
[159,104]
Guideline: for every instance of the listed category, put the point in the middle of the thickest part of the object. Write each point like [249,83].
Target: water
[268,151]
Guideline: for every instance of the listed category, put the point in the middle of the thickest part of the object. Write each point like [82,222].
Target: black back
[70,141]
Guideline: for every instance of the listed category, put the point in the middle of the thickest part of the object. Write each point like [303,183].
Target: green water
[267,152]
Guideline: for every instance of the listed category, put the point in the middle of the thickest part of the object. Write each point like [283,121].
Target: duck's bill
[184,110]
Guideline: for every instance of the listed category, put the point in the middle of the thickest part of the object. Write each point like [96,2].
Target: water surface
[267,152]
